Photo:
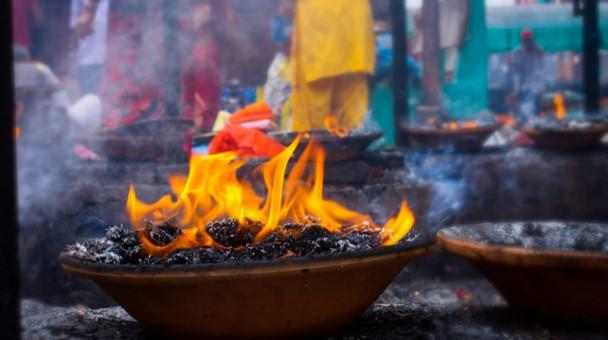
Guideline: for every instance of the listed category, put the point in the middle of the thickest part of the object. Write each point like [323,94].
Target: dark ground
[456,304]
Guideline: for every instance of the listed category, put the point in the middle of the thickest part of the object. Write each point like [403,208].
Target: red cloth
[21,27]
[247,142]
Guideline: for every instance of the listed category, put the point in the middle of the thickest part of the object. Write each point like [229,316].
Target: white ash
[561,236]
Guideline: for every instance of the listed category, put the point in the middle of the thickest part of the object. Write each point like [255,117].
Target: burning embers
[214,211]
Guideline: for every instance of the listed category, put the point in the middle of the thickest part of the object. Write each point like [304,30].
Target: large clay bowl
[297,297]
[567,139]
[464,139]
[536,274]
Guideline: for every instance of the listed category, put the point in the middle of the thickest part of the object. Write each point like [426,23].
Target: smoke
[439,169]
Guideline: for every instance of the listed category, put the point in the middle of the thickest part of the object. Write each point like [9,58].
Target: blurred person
[44,103]
[333,56]
[207,22]
[130,84]
[453,25]
[277,89]
[26,14]
[384,55]
[528,75]
[91,45]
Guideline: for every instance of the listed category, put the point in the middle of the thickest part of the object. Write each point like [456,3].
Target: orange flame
[212,190]
[560,107]
[333,126]
[506,120]
[462,125]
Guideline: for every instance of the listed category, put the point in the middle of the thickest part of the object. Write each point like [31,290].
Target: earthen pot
[463,139]
[293,297]
[567,139]
[553,284]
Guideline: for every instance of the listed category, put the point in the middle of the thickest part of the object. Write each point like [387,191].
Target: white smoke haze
[449,192]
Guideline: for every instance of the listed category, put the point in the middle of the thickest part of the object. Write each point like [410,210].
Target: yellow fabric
[333,52]
[333,37]
[345,97]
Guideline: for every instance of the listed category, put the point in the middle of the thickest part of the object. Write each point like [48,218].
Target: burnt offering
[242,264]
[546,269]
[122,245]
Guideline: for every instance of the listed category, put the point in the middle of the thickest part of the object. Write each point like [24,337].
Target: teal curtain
[555,27]
[468,94]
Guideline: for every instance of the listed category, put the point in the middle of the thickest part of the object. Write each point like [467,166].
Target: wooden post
[172,58]
[10,327]
[431,82]
[400,71]
[591,56]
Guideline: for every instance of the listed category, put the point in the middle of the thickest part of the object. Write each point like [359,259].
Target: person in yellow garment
[333,56]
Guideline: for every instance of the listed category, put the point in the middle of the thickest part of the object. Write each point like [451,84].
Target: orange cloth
[250,113]
[246,141]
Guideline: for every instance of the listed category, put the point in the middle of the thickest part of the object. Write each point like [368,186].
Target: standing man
[333,54]
[91,49]
[529,80]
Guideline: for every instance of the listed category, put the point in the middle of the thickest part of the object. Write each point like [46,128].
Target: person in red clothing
[25,14]
[201,63]
[131,88]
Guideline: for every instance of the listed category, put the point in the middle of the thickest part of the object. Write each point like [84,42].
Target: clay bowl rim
[322,136]
[518,255]
[421,245]
[601,128]
[437,131]
[122,130]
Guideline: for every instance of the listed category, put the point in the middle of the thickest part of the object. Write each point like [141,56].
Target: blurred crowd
[118,52]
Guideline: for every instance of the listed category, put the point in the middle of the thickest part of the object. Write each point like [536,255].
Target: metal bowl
[464,139]
[293,297]
[546,282]
[567,139]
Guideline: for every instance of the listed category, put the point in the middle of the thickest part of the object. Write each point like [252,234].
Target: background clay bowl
[555,284]
[294,297]
[464,139]
[148,140]
[337,149]
[566,139]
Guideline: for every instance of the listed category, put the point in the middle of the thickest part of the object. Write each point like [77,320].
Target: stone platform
[411,308]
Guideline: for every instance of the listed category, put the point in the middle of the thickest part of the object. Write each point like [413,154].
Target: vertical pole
[172,57]
[400,71]
[591,59]
[9,260]
[431,82]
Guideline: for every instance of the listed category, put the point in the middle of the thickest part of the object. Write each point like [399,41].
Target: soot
[235,244]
